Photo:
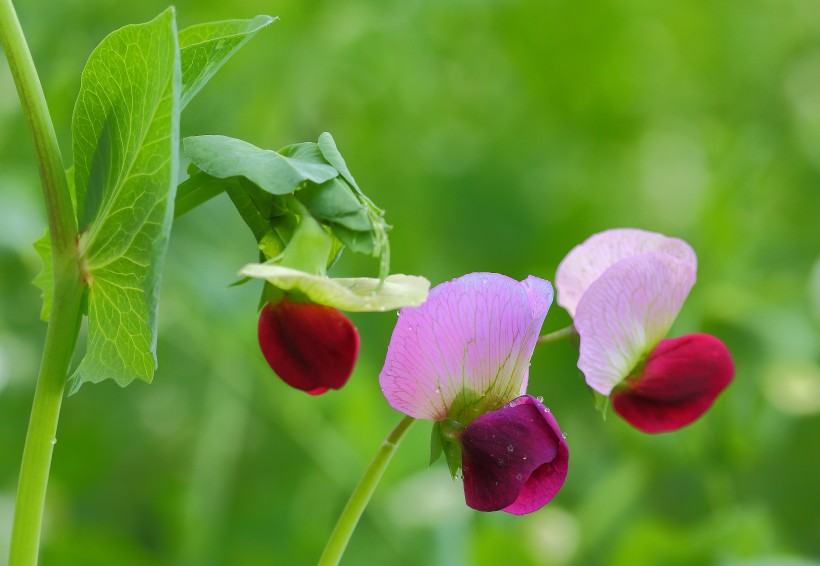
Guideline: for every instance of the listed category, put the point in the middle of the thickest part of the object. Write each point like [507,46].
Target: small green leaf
[436,449]
[333,202]
[125,135]
[452,453]
[224,157]
[601,402]
[204,48]
[327,145]
[271,245]
[381,243]
[45,279]
[248,210]
[197,189]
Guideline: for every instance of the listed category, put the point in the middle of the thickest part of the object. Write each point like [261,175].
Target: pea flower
[624,289]
[309,343]
[461,360]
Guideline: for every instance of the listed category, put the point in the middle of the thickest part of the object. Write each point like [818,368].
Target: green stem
[564,333]
[61,338]
[61,221]
[64,325]
[360,497]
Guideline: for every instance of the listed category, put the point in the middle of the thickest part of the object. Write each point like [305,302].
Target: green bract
[125,136]
[349,294]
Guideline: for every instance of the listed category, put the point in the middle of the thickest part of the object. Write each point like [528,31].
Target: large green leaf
[125,139]
[204,48]
[224,157]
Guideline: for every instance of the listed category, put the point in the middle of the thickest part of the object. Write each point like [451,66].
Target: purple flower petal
[474,333]
[626,312]
[514,459]
[590,259]
[680,381]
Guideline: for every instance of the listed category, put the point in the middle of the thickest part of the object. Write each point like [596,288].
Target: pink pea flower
[624,289]
[461,359]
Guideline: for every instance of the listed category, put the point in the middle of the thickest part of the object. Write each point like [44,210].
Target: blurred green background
[497,134]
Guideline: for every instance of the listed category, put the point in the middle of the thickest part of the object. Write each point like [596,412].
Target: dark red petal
[680,381]
[311,347]
[513,459]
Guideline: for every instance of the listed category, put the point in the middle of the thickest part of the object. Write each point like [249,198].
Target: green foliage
[125,142]
[224,158]
[315,173]
[204,48]
[125,133]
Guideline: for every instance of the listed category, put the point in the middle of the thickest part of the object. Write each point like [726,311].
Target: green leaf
[452,453]
[333,202]
[45,279]
[601,402]
[436,449]
[125,140]
[204,48]
[224,157]
[381,243]
[195,190]
[248,210]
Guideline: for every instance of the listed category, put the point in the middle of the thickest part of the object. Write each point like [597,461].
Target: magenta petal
[680,381]
[311,347]
[514,459]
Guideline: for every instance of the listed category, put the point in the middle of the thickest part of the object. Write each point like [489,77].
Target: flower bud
[311,347]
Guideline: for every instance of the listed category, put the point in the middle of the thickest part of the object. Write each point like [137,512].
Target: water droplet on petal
[540,398]
[53,440]
[564,434]
[510,448]
[519,477]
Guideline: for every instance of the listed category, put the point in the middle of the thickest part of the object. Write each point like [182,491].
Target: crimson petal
[311,347]
[680,381]
[514,458]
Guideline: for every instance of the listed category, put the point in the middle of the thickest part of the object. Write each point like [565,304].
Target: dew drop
[519,477]
[540,398]
[510,448]
[525,458]
[496,483]
[547,410]
[564,434]
[53,440]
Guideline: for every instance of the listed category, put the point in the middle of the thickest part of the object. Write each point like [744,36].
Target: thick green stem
[64,324]
[61,221]
[564,333]
[61,338]
[337,543]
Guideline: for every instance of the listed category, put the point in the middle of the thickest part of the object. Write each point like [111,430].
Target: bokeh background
[497,134]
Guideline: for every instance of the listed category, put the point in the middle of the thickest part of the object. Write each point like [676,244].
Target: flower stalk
[337,543]
[66,312]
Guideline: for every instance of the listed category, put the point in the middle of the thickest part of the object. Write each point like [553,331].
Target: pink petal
[514,458]
[626,312]
[476,332]
[680,381]
[310,347]
[586,262]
